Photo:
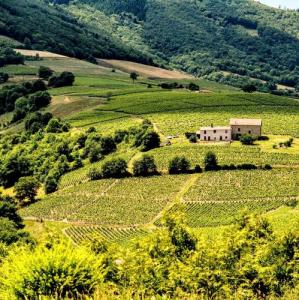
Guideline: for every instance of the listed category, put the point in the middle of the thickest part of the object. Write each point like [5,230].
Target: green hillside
[204,37]
[236,42]
[42,26]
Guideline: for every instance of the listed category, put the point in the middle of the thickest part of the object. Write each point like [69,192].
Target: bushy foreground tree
[249,262]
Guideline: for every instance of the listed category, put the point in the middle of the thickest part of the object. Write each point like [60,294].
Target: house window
[205,138]
[220,138]
[215,131]
[209,138]
[205,132]
[226,137]
[249,131]
[225,131]
[239,129]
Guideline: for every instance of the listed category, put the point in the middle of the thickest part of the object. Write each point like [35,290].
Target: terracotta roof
[216,128]
[256,122]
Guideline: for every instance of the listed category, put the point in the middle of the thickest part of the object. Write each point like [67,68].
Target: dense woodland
[253,41]
[52,28]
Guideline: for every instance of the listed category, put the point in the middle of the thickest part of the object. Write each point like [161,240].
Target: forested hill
[203,37]
[219,39]
[41,25]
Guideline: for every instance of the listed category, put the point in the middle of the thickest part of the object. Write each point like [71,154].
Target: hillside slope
[204,37]
[229,41]
[42,26]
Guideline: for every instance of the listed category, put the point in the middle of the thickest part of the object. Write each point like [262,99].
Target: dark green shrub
[193,138]
[116,168]
[211,162]
[268,167]
[179,165]
[3,77]
[248,139]
[45,72]
[145,166]
[150,141]
[247,167]
[198,169]
[51,184]
[94,174]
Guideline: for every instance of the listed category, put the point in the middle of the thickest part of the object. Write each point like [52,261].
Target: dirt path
[178,198]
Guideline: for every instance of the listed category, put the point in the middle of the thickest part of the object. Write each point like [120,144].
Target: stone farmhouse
[237,128]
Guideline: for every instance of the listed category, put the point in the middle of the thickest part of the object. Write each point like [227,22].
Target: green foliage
[248,139]
[64,79]
[9,95]
[10,234]
[134,76]
[211,162]
[9,57]
[44,72]
[56,126]
[179,165]
[94,174]
[51,28]
[26,189]
[9,211]
[249,88]
[249,260]
[60,270]
[116,168]
[3,77]
[144,166]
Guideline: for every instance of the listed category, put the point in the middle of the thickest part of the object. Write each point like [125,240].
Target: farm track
[178,198]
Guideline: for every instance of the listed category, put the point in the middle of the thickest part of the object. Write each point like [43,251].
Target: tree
[107,145]
[145,166]
[210,162]
[26,188]
[116,168]
[45,72]
[51,184]
[249,88]
[9,211]
[179,165]
[55,126]
[134,76]
[248,139]
[64,79]
[9,233]
[3,77]
[150,140]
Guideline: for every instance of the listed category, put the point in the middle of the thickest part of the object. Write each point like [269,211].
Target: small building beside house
[216,134]
[245,126]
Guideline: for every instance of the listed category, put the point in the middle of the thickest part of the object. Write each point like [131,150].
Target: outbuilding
[245,126]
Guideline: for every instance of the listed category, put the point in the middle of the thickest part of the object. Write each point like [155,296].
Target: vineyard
[226,154]
[203,214]
[80,234]
[123,202]
[118,210]
[238,185]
